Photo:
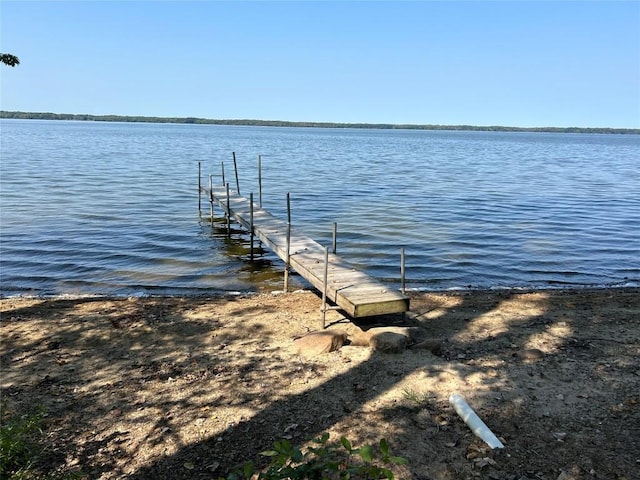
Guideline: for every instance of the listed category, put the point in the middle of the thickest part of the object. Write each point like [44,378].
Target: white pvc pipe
[476,425]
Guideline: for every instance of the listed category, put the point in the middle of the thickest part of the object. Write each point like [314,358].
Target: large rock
[388,342]
[316,343]
[413,334]
[388,339]
[433,345]
[360,339]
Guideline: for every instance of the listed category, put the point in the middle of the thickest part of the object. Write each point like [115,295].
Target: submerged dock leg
[335,237]
[228,213]
[402,270]
[325,287]
[211,197]
[287,261]
[251,235]
[235,167]
[260,181]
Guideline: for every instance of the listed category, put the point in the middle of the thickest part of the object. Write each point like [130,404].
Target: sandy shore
[190,387]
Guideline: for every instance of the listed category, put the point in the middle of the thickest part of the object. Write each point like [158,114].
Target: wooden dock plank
[356,293]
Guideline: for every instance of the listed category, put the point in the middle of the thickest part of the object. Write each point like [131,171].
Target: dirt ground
[169,388]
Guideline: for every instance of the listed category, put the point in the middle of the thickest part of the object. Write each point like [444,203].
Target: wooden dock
[354,292]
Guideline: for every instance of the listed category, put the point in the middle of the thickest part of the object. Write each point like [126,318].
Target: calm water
[108,208]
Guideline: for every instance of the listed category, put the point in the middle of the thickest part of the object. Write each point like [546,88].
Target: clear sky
[512,63]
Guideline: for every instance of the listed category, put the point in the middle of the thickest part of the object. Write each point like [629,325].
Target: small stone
[559,436]
[572,474]
[529,354]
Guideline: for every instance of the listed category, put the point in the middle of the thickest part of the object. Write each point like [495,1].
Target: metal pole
[260,189]
[228,213]
[335,237]
[288,255]
[251,226]
[260,181]
[402,270]
[235,166]
[325,286]
[211,197]
[223,180]
[199,189]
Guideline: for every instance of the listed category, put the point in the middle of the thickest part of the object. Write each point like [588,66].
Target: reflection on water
[111,208]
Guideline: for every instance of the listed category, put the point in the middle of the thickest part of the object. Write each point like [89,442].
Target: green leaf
[398,460]
[384,447]
[346,444]
[282,446]
[249,469]
[366,453]
[387,473]
[296,455]
[269,453]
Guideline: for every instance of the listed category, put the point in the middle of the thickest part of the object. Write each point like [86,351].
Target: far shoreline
[283,123]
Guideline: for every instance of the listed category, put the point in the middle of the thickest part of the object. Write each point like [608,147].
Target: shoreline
[250,293]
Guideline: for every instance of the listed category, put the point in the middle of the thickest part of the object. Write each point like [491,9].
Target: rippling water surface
[112,208]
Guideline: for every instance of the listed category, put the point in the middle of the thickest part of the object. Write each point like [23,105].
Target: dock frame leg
[325,287]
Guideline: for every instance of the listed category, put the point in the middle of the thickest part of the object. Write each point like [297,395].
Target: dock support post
[199,189]
[251,224]
[228,213]
[260,181]
[325,287]
[335,237]
[402,271]
[287,264]
[260,189]
[211,197]
[224,182]
[235,167]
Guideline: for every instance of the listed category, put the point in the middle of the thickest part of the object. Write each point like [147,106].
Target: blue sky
[516,63]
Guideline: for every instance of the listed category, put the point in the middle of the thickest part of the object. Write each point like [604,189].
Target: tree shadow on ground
[430,421]
[123,366]
[539,368]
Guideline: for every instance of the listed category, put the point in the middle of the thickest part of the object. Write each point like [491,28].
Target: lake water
[112,208]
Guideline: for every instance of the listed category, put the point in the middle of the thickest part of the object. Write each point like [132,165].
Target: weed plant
[324,461]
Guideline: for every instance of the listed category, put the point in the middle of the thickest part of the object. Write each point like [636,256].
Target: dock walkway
[354,292]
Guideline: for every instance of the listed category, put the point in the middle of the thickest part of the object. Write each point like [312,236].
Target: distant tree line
[279,123]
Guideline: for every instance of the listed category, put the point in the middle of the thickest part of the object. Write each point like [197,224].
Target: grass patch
[21,447]
[419,398]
